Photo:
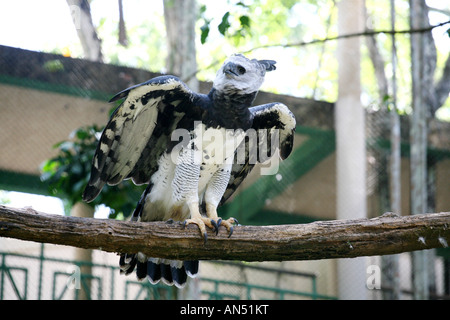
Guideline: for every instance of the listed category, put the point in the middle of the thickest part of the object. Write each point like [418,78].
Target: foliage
[238,32]
[68,173]
[146,38]
[226,27]
[4,197]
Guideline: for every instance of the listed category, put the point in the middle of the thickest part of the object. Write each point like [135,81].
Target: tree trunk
[376,58]
[82,19]
[391,263]
[180,17]
[442,87]
[123,39]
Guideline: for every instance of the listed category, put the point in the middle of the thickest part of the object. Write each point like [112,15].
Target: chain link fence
[45,97]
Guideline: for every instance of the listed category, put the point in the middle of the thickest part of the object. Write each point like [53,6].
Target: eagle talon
[228,224]
[215,225]
[219,223]
[202,223]
[231,231]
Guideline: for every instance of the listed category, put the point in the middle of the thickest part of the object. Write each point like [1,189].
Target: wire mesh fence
[45,97]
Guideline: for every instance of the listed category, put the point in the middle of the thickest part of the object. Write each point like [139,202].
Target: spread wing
[270,121]
[138,132]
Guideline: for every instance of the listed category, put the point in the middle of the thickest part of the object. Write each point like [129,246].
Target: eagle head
[241,75]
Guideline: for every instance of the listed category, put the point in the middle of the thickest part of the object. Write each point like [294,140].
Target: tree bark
[123,38]
[376,58]
[391,263]
[80,11]
[386,234]
[180,17]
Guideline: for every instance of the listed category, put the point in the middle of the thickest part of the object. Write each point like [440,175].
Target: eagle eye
[241,70]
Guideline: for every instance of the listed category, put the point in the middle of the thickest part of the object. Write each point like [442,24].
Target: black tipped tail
[127,263]
[171,272]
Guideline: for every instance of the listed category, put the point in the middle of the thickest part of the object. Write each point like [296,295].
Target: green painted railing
[39,277]
[280,294]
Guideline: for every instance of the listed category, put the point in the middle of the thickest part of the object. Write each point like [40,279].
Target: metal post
[41,270]
[350,144]
[391,270]
[418,136]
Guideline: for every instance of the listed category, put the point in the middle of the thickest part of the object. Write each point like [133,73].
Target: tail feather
[191,268]
[141,270]
[127,263]
[170,272]
[166,274]
[153,272]
[179,277]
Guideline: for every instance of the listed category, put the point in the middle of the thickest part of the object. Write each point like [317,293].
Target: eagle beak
[230,69]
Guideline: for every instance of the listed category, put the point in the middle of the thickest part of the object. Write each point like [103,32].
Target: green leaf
[56,145]
[205,32]
[82,134]
[76,169]
[49,166]
[245,21]
[240,3]
[224,25]
[66,146]
[78,187]
[202,9]
[53,65]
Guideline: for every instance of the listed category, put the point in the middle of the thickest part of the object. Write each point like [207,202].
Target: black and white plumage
[185,146]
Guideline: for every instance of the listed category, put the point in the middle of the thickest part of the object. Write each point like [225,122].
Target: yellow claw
[201,222]
[228,224]
[211,211]
[212,221]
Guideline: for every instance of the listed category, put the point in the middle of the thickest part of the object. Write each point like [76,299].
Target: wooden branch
[367,33]
[387,234]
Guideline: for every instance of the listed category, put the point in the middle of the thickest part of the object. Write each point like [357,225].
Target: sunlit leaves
[234,24]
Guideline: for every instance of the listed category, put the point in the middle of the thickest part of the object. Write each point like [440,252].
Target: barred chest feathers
[189,170]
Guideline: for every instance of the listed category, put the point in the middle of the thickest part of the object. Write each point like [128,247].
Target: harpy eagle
[193,151]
